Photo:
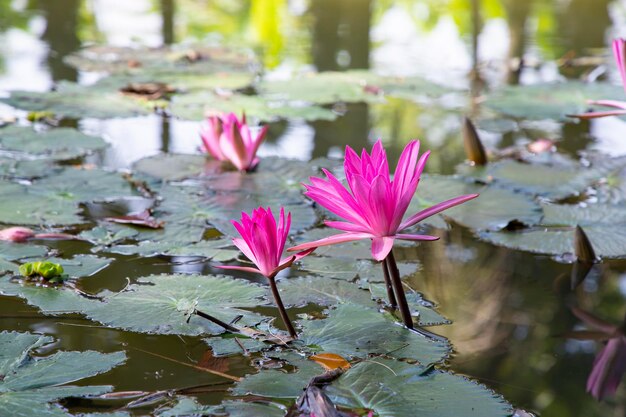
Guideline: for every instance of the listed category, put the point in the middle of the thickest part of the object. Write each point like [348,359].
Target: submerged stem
[399,290]
[281,308]
[388,286]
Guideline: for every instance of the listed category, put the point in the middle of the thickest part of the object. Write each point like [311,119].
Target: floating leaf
[233,344]
[143,218]
[399,389]
[349,269]
[161,304]
[82,265]
[550,181]
[330,361]
[354,331]
[605,226]
[78,101]
[46,270]
[56,144]
[322,291]
[550,101]
[171,167]
[14,251]
[275,383]
[190,407]
[195,106]
[494,209]
[424,310]
[29,385]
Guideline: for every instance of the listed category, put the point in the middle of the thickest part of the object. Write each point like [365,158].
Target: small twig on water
[216,321]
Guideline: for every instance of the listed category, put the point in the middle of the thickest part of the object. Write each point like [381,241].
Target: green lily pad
[172,167]
[30,386]
[82,265]
[494,209]
[29,169]
[231,345]
[57,144]
[554,182]
[322,291]
[349,269]
[354,331]
[49,300]
[77,101]
[276,383]
[195,106]
[162,304]
[219,250]
[422,310]
[398,389]
[346,86]
[13,251]
[190,407]
[19,206]
[605,225]
[106,236]
[550,101]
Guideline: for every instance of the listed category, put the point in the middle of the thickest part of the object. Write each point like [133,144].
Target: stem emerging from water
[390,260]
[388,286]
[281,308]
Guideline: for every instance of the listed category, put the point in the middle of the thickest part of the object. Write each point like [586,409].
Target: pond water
[510,309]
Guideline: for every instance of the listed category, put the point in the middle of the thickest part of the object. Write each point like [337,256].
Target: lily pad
[172,167]
[398,389]
[30,386]
[190,407]
[605,225]
[195,106]
[219,250]
[77,101]
[13,251]
[354,331]
[422,309]
[276,383]
[349,269]
[550,101]
[232,344]
[82,265]
[494,209]
[554,182]
[57,144]
[322,291]
[162,304]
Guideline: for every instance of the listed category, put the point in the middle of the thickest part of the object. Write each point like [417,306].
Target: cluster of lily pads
[180,206]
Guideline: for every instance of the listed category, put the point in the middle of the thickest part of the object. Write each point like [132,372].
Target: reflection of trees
[341,28]
[507,320]
[517,13]
[61,36]
[167,18]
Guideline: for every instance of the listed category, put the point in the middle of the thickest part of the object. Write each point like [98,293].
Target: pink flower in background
[610,363]
[227,138]
[373,205]
[263,242]
[619,53]
[16,234]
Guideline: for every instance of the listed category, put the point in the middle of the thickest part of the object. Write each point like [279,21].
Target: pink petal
[345,226]
[437,208]
[240,268]
[618,53]
[331,240]
[609,103]
[416,237]
[381,246]
[598,114]
[405,170]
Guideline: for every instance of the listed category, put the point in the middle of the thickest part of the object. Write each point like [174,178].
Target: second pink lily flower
[374,204]
[227,138]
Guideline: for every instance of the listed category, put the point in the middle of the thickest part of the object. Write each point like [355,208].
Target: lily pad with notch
[189,407]
[349,269]
[32,384]
[399,389]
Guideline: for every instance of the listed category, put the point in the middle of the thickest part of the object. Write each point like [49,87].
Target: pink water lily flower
[619,53]
[22,234]
[610,363]
[263,242]
[374,204]
[227,138]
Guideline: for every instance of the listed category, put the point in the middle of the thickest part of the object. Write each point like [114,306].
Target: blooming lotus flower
[263,242]
[227,138]
[374,204]
[619,53]
[610,363]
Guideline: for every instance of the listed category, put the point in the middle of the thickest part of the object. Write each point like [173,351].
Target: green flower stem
[392,298]
[281,308]
[405,311]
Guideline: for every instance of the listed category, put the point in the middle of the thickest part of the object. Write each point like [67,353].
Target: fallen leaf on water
[330,361]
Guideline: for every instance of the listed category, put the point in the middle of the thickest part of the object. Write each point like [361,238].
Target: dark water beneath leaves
[509,308]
